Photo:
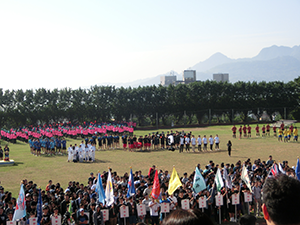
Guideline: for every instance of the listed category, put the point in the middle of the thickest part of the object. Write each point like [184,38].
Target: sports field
[41,169]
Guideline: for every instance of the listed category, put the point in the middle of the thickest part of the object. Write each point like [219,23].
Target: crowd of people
[85,151]
[282,132]
[79,203]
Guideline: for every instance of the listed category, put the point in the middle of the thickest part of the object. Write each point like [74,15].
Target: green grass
[41,169]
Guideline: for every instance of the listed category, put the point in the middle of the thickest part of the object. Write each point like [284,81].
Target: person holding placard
[164,199]
[98,216]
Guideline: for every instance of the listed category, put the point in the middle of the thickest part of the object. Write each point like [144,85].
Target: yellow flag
[174,182]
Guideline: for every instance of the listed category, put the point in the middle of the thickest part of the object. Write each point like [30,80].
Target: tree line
[104,103]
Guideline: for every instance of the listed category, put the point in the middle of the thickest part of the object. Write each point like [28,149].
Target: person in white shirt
[70,153]
[217,142]
[92,152]
[75,154]
[199,141]
[204,140]
[86,150]
[154,208]
[193,142]
[187,143]
[211,142]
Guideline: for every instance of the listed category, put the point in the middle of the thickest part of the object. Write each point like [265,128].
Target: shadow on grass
[18,163]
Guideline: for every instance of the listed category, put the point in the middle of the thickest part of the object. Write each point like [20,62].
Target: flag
[280,168]
[274,170]
[174,182]
[109,191]
[130,185]
[39,211]
[298,170]
[245,178]
[227,179]
[70,210]
[199,182]
[219,180]
[156,187]
[20,210]
[100,190]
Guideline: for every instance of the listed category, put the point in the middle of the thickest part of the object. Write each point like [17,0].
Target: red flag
[156,187]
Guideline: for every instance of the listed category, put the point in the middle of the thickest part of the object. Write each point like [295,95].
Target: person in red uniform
[263,129]
[233,131]
[240,130]
[257,130]
[274,130]
[249,131]
[282,125]
[268,129]
[291,129]
[245,131]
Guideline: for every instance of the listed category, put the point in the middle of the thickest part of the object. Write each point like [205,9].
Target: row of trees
[103,103]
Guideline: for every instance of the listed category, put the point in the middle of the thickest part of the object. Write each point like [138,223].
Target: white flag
[245,177]
[109,191]
[219,180]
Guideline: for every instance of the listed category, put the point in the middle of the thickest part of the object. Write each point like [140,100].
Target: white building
[167,80]
[221,77]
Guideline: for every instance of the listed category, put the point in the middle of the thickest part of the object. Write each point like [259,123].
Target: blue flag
[100,190]
[20,211]
[39,211]
[199,182]
[130,185]
[298,170]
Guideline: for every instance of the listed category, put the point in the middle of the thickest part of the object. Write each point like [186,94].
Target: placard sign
[141,209]
[235,199]
[11,223]
[33,221]
[105,214]
[247,197]
[185,204]
[202,202]
[56,220]
[219,200]
[124,212]
[165,207]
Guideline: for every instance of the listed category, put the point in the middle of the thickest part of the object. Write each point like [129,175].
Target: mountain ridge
[270,64]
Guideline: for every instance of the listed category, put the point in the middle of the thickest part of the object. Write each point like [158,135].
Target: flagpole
[219,214]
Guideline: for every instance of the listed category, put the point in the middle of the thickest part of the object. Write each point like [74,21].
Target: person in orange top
[49,185]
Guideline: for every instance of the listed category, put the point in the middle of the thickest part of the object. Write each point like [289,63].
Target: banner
[165,207]
[141,209]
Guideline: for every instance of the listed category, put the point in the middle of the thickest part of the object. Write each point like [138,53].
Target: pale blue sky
[67,43]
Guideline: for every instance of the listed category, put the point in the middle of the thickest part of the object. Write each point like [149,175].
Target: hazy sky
[70,43]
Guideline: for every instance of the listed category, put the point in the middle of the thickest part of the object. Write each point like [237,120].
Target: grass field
[41,169]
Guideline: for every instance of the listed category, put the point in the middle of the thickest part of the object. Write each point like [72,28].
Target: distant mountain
[284,68]
[215,60]
[275,63]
